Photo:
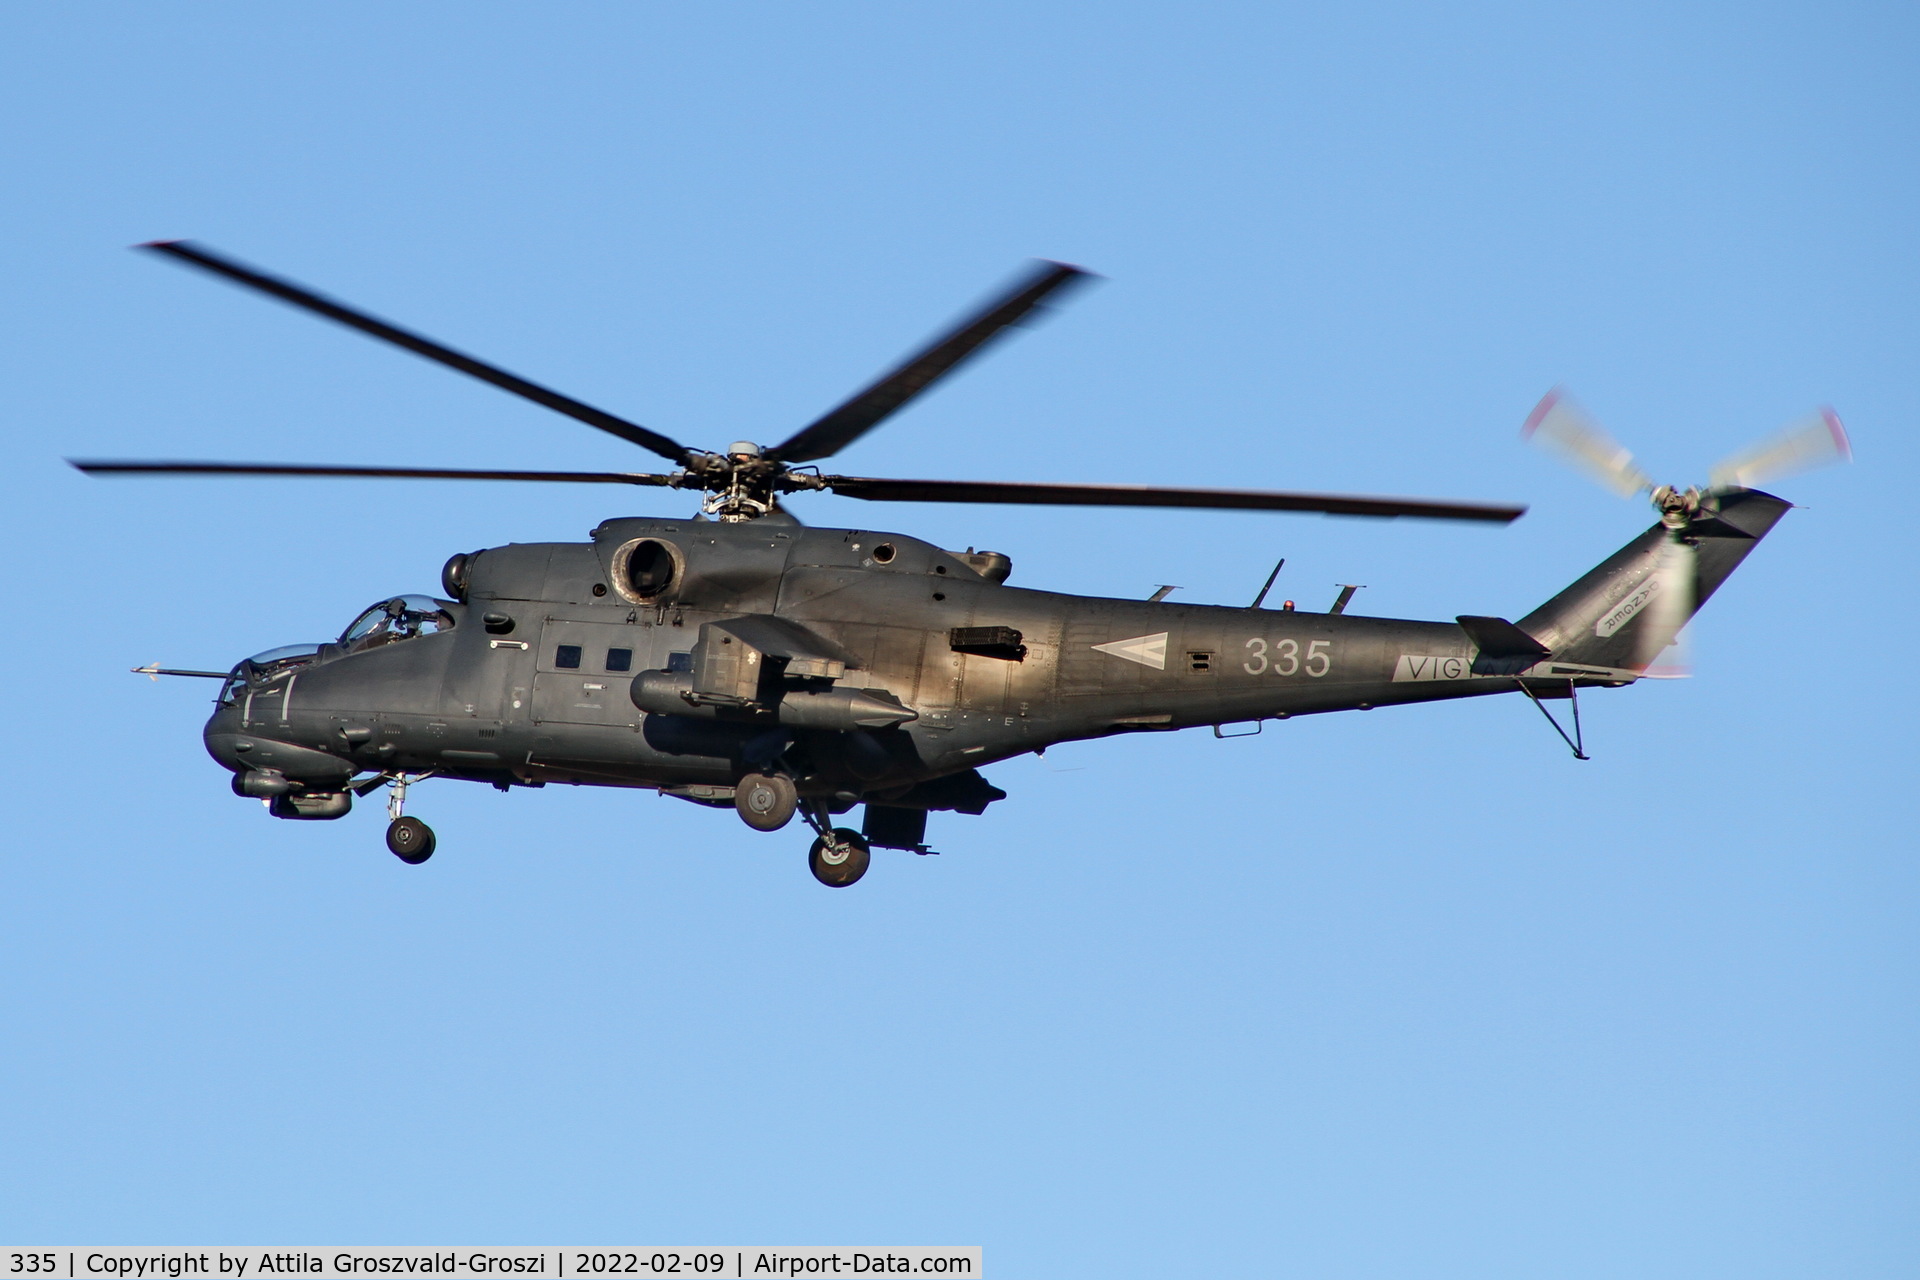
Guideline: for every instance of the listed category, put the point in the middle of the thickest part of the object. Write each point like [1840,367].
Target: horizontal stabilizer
[1498,638]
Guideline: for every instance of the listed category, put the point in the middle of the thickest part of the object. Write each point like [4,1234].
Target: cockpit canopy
[401,618]
[263,669]
[292,655]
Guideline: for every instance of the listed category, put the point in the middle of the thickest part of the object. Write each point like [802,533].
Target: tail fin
[1597,621]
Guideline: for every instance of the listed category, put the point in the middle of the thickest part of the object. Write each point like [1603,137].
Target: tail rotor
[1673,587]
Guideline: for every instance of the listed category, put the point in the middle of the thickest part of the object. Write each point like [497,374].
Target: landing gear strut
[409,839]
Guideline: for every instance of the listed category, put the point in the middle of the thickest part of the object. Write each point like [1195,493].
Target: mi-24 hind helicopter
[738,658]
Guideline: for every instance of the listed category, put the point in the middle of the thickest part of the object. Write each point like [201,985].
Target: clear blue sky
[1409,993]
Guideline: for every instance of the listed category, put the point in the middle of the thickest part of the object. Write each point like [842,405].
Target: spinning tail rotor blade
[1565,427]
[1814,441]
[306,299]
[867,409]
[1661,651]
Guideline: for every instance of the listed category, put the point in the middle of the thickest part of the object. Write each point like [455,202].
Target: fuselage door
[490,677]
[582,672]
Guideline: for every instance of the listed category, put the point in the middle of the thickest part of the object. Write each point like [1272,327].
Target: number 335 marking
[1284,658]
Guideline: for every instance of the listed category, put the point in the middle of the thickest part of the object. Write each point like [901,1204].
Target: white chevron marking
[1148,651]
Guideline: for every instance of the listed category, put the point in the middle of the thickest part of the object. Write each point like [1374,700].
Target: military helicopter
[737,658]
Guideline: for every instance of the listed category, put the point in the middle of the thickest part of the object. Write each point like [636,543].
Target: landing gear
[766,802]
[839,855]
[411,840]
[838,858]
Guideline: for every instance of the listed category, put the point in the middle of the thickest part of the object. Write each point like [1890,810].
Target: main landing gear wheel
[766,803]
[411,840]
[839,858]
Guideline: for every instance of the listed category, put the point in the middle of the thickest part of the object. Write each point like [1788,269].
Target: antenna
[1269,583]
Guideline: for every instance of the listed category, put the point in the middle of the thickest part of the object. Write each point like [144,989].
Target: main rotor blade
[305,298]
[108,467]
[1560,423]
[1813,441]
[1117,495]
[867,409]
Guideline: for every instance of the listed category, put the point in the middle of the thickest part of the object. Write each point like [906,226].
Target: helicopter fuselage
[533,680]
[681,655]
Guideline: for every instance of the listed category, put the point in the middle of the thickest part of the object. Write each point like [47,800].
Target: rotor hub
[1679,507]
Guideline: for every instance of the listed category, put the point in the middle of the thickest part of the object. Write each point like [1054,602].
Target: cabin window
[619,659]
[679,662]
[567,657]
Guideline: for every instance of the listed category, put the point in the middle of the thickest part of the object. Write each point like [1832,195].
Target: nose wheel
[411,840]
[838,858]
[408,839]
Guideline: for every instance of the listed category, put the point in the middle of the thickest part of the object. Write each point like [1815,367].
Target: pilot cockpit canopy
[401,618]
